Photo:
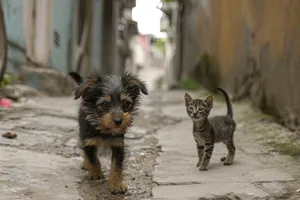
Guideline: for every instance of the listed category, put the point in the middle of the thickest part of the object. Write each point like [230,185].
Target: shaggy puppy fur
[108,106]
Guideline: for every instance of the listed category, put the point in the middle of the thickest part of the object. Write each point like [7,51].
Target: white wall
[38,30]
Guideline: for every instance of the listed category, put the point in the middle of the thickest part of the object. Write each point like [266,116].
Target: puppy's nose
[118,121]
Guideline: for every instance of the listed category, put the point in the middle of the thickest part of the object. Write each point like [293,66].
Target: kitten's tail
[76,77]
[228,103]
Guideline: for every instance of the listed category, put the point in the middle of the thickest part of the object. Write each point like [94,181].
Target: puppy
[108,106]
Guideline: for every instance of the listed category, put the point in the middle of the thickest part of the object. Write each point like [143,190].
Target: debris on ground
[9,135]
[5,102]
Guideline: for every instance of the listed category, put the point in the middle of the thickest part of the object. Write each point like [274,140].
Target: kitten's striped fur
[208,131]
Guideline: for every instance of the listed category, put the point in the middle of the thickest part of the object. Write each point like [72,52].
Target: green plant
[286,148]
[190,84]
[209,72]
[160,43]
[7,79]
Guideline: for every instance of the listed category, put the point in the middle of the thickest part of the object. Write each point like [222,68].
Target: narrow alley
[43,161]
[248,48]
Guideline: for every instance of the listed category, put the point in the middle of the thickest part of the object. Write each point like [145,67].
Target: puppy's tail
[76,77]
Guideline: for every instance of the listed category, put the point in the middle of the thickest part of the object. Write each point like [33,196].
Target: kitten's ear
[187,98]
[209,100]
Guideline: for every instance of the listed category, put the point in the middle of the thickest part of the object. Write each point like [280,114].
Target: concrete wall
[61,36]
[47,38]
[256,48]
[191,44]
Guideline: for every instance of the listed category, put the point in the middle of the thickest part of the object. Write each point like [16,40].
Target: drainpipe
[181,36]
[3,43]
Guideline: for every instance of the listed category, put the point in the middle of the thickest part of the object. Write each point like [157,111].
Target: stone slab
[176,164]
[55,121]
[195,191]
[31,175]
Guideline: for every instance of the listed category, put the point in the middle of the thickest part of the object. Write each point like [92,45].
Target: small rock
[72,142]
[142,154]
[9,135]
[17,92]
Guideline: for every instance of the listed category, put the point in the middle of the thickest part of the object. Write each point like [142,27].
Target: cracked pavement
[43,161]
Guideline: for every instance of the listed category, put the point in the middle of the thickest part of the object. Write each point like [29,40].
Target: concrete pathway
[176,175]
[43,161]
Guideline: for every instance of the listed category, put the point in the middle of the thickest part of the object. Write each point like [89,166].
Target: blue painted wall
[62,35]
[13,13]
[96,54]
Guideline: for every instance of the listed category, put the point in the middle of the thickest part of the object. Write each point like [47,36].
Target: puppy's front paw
[83,166]
[120,188]
[203,168]
[95,175]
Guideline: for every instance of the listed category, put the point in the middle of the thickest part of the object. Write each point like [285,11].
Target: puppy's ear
[134,84]
[76,77]
[81,89]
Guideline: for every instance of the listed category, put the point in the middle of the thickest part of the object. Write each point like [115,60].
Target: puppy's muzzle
[118,121]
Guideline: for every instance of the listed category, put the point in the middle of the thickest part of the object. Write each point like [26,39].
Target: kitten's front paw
[198,164]
[223,159]
[203,168]
[228,162]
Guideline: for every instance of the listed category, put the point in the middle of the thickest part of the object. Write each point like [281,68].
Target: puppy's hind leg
[92,163]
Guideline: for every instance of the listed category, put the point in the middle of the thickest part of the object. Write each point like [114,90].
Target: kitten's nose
[118,121]
[195,114]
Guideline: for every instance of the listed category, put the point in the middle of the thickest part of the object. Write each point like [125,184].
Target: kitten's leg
[224,157]
[231,152]
[208,150]
[200,149]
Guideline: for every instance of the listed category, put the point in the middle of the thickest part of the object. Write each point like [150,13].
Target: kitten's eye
[190,108]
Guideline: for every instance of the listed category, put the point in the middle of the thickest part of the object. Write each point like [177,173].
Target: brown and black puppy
[108,106]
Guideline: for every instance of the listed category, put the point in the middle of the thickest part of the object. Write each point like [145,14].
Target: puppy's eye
[126,103]
[104,104]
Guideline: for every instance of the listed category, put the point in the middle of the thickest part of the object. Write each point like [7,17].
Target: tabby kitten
[208,131]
